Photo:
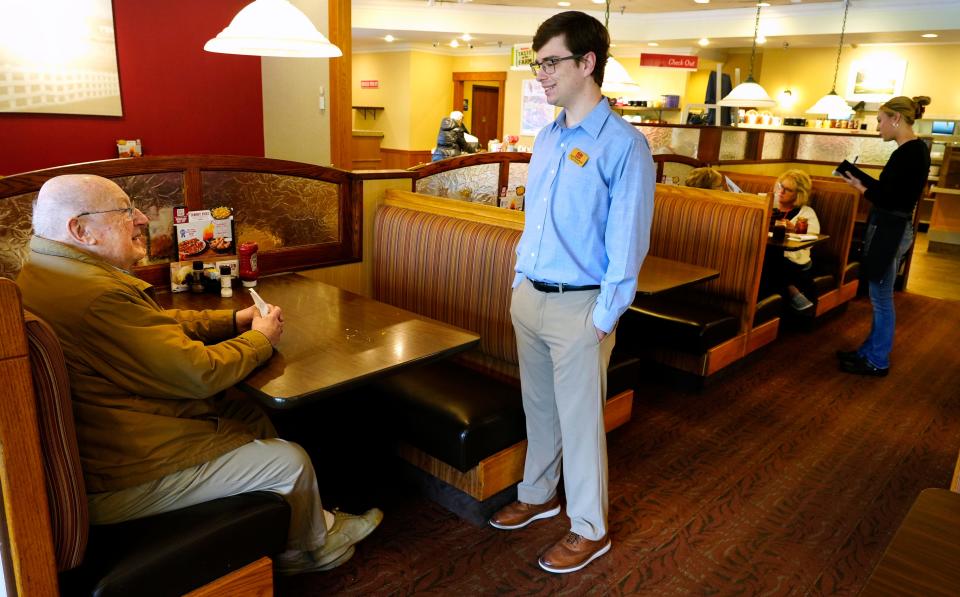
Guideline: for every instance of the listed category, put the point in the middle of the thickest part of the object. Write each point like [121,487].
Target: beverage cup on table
[801,226]
[779,231]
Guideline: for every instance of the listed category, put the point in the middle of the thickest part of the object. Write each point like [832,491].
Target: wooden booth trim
[462,210]
[28,538]
[349,249]
[504,158]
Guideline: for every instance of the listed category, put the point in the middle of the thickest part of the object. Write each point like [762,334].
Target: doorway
[486,87]
[485,117]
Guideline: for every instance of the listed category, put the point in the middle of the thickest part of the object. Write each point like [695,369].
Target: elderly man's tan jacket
[142,377]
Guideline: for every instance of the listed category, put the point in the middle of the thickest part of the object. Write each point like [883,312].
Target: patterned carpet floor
[782,477]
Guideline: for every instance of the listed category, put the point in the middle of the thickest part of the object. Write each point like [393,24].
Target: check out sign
[670,61]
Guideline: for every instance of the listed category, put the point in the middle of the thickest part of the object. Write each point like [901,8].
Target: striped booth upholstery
[66,495]
[836,203]
[702,328]
[454,270]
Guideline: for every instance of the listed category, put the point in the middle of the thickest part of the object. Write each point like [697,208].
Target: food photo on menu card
[204,233]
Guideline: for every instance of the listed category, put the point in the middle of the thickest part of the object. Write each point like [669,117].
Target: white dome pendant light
[272,28]
[749,94]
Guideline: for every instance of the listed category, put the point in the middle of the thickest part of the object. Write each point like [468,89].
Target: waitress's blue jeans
[876,348]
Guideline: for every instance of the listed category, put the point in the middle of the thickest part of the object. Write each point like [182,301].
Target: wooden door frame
[500,78]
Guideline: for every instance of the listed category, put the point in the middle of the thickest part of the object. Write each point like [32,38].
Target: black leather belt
[561,287]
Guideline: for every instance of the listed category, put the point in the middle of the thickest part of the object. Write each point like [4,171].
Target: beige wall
[392,70]
[415,91]
[431,93]
[294,127]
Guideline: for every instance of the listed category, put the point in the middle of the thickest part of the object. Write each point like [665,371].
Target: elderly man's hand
[244,317]
[270,326]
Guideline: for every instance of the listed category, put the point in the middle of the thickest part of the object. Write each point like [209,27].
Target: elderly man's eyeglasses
[549,65]
[128,211]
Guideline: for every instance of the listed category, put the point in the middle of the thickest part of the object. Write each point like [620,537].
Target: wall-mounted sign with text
[670,61]
[374,84]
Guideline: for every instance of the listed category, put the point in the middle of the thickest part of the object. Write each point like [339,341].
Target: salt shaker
[226,282]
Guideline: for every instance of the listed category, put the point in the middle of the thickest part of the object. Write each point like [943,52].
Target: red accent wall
[177,99]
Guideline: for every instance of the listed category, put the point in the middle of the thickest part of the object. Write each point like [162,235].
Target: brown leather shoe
[572,553]
[519,514]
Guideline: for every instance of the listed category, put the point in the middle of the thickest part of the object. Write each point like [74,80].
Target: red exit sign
[374,84]
[670,61]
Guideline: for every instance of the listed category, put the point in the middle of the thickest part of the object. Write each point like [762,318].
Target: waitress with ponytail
[889,232]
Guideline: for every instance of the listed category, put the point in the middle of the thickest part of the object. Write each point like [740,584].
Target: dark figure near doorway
[450,140]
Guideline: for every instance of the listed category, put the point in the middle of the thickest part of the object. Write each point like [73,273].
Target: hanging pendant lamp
[272,28]
[749,94]
[615,76]
[832,104]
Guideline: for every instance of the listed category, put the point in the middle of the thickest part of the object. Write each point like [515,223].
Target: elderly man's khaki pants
[266,464]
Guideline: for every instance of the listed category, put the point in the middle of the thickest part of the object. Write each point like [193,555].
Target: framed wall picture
[59,57]
[535,112]
[876,81]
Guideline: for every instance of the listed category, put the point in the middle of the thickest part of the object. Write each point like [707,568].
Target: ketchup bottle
[249,271]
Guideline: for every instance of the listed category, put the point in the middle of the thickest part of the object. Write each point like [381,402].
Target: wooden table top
[794,245]
[923,559]
[658,274]
[333,339]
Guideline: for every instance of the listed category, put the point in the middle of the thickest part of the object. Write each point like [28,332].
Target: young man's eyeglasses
[549,65]
[128,211]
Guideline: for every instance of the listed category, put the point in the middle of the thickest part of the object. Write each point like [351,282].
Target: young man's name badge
[578,157]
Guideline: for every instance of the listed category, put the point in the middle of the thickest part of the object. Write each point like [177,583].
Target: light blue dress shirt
[589,223]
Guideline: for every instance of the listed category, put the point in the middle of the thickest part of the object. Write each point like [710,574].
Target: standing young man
[589,207]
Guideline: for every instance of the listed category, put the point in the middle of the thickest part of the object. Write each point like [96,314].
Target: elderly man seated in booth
[155,427]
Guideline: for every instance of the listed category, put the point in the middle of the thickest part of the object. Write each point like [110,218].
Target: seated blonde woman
[704,178]
[792,275]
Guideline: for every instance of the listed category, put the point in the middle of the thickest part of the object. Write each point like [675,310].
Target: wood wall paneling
[403,158]
[366,152]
